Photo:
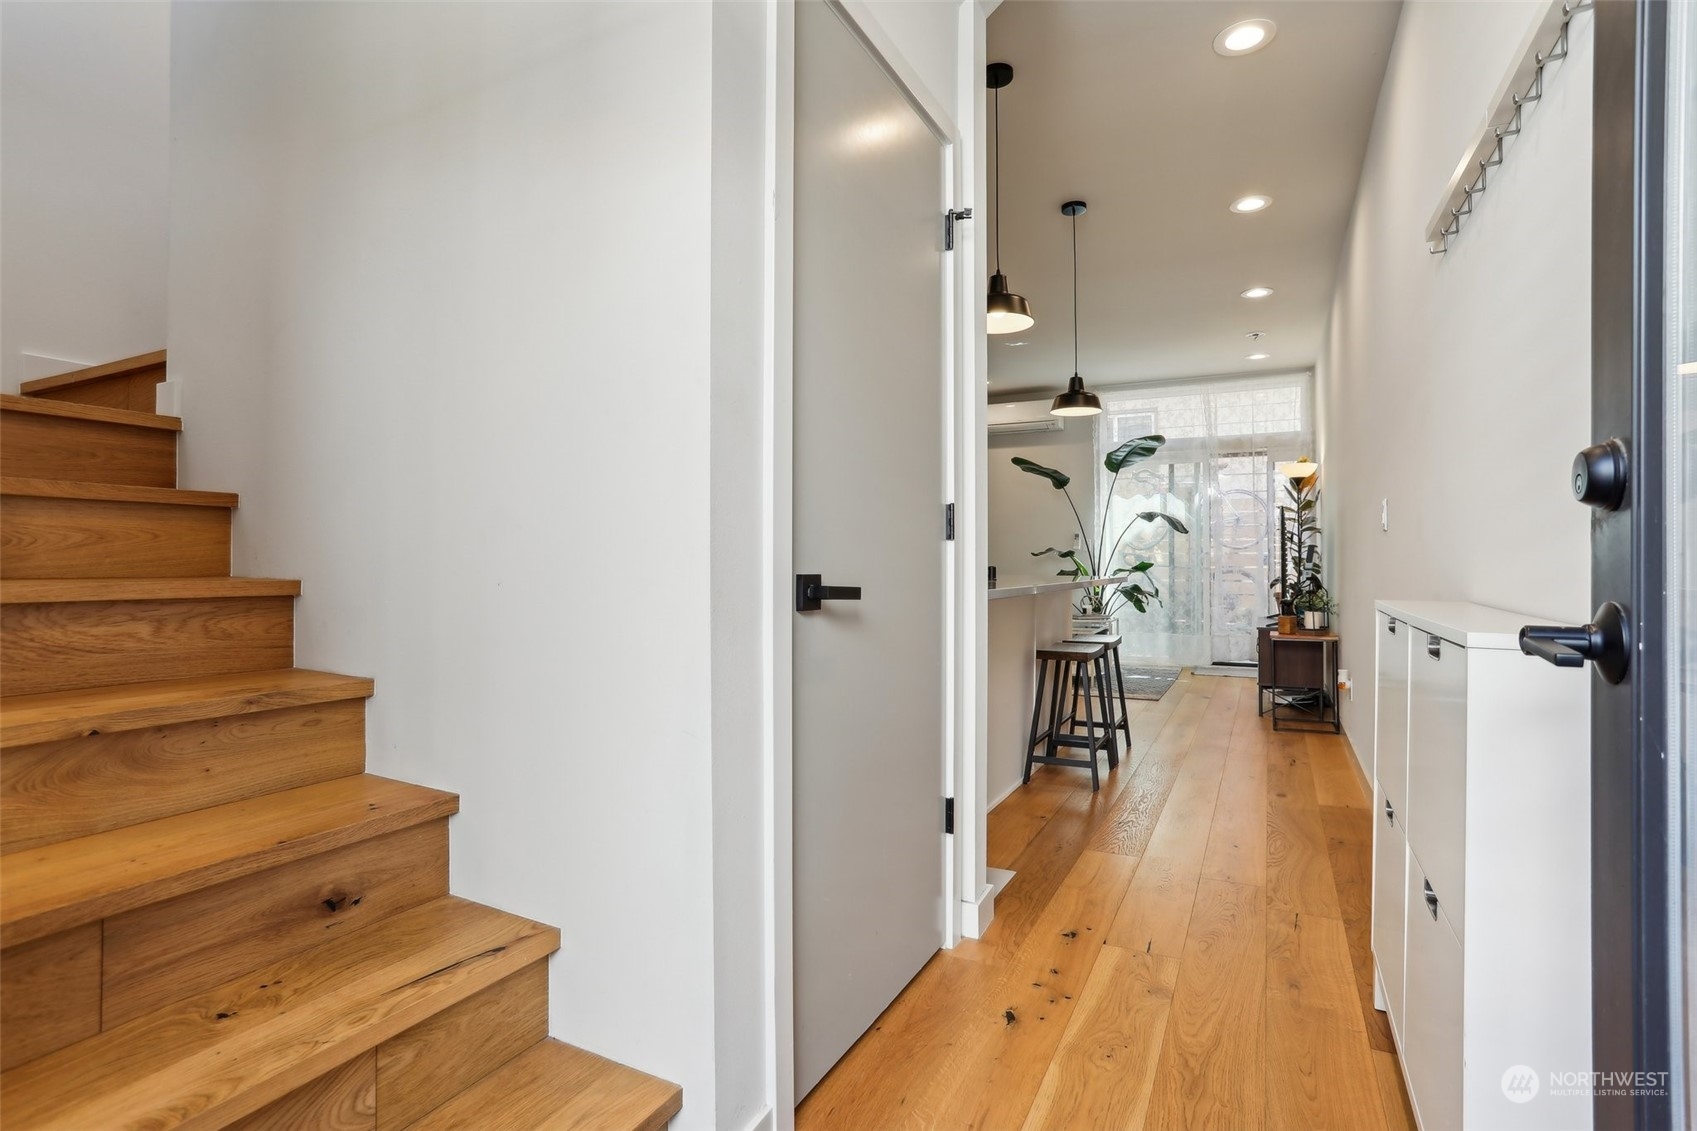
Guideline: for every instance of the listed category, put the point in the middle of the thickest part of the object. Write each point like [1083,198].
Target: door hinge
[948,522]
[950,218]
[948,814]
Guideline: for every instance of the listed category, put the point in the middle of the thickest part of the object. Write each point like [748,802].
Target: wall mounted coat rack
[1545,43]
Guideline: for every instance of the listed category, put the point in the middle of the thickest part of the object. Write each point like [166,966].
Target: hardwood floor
[1186,949]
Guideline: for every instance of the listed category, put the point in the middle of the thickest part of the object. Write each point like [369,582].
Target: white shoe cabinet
[1481,865]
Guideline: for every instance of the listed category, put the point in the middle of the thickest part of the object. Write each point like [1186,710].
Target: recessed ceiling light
[1254,203]
[1258,292]
[1256,356]
[1020,343]
[1245,36]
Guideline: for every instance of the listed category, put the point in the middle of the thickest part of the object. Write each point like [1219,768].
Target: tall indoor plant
[1105,601]
[1301,583]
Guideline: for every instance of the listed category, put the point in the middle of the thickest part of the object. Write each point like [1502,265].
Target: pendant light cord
[996,102]
[1075,294]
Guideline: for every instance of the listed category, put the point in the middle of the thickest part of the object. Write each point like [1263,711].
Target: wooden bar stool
[1058,666]
[1114,708]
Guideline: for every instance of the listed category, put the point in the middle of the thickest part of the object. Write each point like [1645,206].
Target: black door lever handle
[1604,642]
[810,592]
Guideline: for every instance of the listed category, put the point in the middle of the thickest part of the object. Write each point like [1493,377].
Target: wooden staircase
[210,915]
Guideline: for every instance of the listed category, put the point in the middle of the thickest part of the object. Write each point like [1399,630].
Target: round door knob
[1599,475]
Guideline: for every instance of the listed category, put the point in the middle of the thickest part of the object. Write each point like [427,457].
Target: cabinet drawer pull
[1392,627]
[1431,900]
[1435,647]
[1390,813]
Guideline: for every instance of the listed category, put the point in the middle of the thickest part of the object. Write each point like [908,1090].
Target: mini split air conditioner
[1023,416]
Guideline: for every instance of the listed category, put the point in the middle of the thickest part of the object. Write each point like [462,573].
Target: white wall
[84,126]
[439,308]
[427,262]
[1457,386]
[1026,512]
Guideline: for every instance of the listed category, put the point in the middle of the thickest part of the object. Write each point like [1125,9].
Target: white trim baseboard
[977,915]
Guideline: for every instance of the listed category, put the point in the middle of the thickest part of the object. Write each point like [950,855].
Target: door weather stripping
[950,219]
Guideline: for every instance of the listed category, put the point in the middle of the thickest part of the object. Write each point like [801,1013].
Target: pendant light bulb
[1077,400]
[1004,311]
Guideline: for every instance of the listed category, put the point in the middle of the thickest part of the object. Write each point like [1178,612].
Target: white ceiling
[1125,105]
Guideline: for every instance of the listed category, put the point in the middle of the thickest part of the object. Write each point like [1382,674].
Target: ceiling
[1126,106]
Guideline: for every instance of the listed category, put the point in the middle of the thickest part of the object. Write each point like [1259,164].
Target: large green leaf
[1159,516]
[1059,478]
[1052,550]
[1131,451]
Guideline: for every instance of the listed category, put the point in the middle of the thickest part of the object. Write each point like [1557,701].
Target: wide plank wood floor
[1186,949]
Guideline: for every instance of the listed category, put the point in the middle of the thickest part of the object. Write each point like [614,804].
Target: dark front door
[1637,477]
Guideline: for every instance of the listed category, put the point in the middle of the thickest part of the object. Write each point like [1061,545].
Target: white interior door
[868,497]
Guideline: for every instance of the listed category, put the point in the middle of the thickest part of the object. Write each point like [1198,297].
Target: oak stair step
[59,886]
[75,590]
[66,633]
[129,383]
[76,763]
[65,528]
[553,1086]
[211,1059]
[48,439]
[56,715]
[113,492]
[98,414]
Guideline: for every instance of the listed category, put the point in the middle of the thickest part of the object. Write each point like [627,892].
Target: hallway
[1187,948]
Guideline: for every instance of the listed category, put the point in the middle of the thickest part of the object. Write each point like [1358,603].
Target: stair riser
[68,986]
[49,994]
[88,538]
[54,791]
[431,1063]
[59,646]
[219,1057]
[413,1073]
[88,451]
[192,944]
[135,390]
[344,1099]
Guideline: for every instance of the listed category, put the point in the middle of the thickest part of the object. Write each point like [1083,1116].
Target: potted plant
[1303,592]
[1316,607]
[1098,606]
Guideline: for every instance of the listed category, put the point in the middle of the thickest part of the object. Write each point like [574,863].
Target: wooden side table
[1300,673]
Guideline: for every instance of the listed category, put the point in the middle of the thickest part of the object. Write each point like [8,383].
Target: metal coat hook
[1547,43]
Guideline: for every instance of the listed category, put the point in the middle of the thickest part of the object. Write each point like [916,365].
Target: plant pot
[1089,624]
[1313,619]
[1287,625]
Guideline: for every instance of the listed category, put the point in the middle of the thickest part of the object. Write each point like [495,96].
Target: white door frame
[962,857]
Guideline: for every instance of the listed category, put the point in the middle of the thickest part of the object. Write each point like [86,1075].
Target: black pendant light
[1077,400]
[1005,312]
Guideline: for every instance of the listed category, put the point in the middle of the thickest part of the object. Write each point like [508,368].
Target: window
[1216,474]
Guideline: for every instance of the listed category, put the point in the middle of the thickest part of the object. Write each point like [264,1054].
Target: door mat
[1148,683]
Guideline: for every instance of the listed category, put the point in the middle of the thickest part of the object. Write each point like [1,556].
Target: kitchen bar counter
[1017,629]
[1035,586]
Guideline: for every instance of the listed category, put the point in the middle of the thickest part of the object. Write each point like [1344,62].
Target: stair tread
[58,886]
[217,1056]
[41,591]
[52,715]
[556,1086]
[10,402]
[112,492]
[94,373]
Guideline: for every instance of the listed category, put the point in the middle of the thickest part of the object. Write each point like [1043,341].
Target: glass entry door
[1240,514]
